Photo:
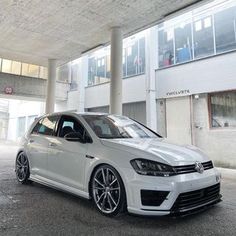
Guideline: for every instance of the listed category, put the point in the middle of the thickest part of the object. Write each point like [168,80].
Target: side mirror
[74,137]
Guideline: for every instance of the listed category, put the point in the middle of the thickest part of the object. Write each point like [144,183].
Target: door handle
[89,157]
[52,144]
[31,141]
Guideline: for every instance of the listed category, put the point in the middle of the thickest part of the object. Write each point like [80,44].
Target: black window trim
[42,119]
[59,124]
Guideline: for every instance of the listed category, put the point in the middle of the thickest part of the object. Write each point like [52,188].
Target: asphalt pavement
[38,210]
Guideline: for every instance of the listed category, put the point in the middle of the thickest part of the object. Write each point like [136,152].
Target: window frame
[209,95]
[59,127]
[42,119]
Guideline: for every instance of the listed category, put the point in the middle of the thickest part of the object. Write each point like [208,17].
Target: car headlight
[153,168]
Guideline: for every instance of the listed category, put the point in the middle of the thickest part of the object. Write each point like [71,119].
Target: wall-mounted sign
[178,93]
[8,90]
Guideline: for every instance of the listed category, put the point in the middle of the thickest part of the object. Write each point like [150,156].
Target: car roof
[74,113]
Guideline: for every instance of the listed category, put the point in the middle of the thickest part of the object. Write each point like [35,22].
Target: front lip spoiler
[195,210]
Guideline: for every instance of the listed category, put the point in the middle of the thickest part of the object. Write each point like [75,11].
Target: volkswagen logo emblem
[199,167]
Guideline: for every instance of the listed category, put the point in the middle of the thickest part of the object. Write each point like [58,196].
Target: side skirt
[59,186]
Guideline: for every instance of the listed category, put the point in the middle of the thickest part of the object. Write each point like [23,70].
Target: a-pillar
[116,71]
[51,86]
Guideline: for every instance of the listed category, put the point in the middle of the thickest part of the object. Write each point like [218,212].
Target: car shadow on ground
[92,216]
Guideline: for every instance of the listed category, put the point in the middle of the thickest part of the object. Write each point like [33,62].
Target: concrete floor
[37,210]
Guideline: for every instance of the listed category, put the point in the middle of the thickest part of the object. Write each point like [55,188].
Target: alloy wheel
[106,190]
[22,167]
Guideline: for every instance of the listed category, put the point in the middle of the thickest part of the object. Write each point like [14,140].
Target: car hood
[158,150]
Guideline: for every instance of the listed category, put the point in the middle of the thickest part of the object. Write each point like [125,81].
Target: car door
[66,159]
[38,143]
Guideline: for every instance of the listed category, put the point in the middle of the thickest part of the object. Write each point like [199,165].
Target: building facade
[179,78]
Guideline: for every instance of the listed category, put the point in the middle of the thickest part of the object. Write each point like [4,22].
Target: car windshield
[115,126]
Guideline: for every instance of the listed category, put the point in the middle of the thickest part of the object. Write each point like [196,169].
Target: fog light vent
[153,198]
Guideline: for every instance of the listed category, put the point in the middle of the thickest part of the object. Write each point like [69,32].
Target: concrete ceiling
[35,30]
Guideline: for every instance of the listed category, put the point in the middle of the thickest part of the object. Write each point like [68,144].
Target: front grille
[153,197]
[198,198]
[191,168]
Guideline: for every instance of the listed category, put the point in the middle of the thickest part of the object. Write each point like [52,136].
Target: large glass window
[225,30]
[99,69]
[166,45]
[183,42]
[25,69]
[203,37]
[74,76]
[141,61]
[92,70]
[6,66]
[201,32]
[99,66]
[223,110]
[132,58]
[63,73]
[16,68]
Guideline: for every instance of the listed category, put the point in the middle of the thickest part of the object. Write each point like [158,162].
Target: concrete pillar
[51,86]
[151,65]
[116,71]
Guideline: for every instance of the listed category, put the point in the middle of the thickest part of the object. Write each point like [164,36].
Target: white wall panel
[207,75]
[133,91]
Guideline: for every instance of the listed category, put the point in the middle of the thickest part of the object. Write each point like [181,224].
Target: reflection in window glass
[223,109]
[203,37]
[132,58]
[91,71]
[101,67]
[48,125]
[6,66]
[64,73]
[225,30]
[133,61]
[165,46]
[74,76]
[141,61]
[183,42]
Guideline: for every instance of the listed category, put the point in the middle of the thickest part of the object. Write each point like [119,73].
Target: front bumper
[176,186]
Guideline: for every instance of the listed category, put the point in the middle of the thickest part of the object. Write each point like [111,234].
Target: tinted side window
[36,127]
[69,125]
[47,126]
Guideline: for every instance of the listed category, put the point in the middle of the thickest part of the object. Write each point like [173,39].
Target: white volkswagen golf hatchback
[118,163]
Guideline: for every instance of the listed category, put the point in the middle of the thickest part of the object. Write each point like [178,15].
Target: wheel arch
[93,171]
[20,151]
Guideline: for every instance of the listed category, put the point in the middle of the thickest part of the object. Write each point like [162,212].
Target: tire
[108,191]
[22,168]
